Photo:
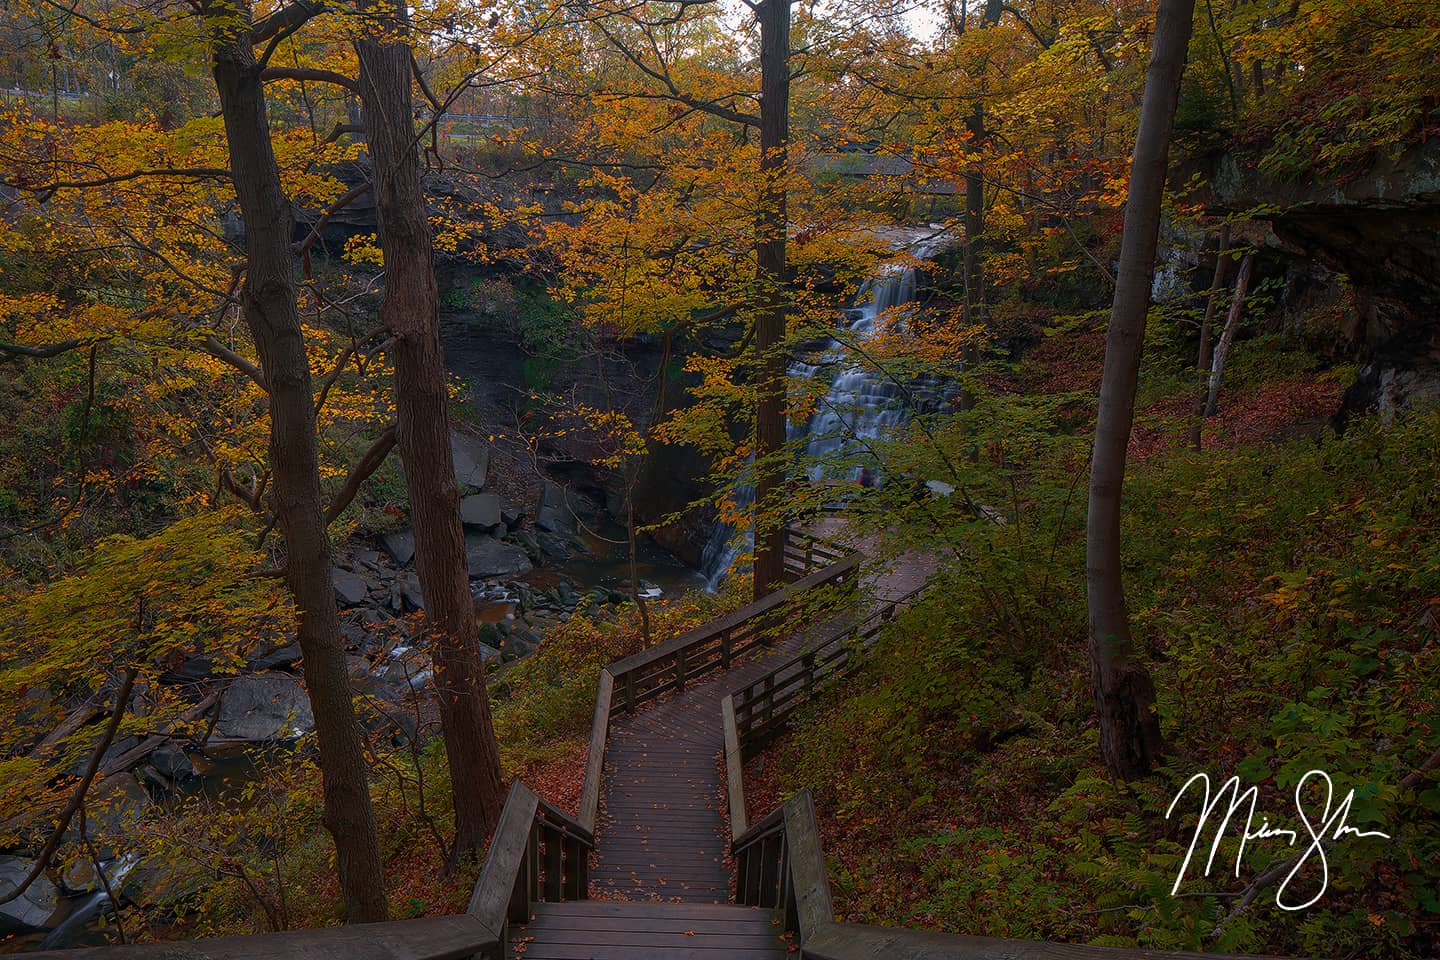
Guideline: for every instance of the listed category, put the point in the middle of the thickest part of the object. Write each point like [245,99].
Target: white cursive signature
[1329,826]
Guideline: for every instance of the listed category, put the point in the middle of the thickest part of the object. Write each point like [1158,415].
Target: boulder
[285,656]
[362,679]
[472,460]
[409,587]
[194,669]
[553,513]
[512,519]
[400,546]
[32,908]
[531,546]
[488,557]
[173,762]
[350,589]
[480,510]
[367,558]
[554,547]
[264,706]
[413,667]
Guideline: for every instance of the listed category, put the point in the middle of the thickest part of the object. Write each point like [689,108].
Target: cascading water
[859,405]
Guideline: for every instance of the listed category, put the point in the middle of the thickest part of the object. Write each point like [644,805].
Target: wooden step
[619,930]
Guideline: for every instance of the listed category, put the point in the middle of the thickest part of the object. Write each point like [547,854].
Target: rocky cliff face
[1381,229]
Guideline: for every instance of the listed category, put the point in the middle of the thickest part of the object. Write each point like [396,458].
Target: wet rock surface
[264,707]
[32,908]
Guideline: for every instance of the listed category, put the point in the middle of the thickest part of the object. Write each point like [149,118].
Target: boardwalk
[662,832]
[661,877]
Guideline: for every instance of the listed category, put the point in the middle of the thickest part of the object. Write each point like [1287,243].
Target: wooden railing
[760,710]
[537,854]
[669,666]
[806,553]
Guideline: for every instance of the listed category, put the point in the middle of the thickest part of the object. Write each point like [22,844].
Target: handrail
[493,900]
[734,768]
[762,707]
[537,853]
[595,760]
[713,646]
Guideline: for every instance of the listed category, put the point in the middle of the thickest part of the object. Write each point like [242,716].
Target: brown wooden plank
[595,761]
[490,900]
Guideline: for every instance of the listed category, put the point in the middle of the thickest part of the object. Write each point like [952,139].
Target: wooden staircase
[623,929]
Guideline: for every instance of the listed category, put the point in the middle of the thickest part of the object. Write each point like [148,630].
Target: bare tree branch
[309,73]
[218,350]
[361,472]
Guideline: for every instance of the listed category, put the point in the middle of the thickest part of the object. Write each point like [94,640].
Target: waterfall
[859,405]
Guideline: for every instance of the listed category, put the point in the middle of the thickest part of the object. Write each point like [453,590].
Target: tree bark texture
[1130,741]
[770,318]
[268,298]
[410,312]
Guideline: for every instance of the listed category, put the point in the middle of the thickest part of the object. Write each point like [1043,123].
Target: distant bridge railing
[760,710]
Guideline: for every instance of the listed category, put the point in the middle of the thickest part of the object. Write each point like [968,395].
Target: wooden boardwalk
[662,833]
[661,877]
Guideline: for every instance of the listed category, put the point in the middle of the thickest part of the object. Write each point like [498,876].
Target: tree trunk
[1130,741]
[1232,321]
[770,467]
[268,297]
[973,310]
[973,258]
[410,312]
[1202,359]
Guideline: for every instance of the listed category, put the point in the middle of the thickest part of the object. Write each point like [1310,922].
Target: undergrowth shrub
[1286,597]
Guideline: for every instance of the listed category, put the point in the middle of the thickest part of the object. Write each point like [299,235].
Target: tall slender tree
[270,310]
[772,308]
[1130,740]
[410,311]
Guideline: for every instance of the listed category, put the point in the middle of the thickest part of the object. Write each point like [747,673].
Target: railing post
[554,865]
[630,691]
[518,910]
[532,866]
[725,650]
[680,670]
[575,857]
